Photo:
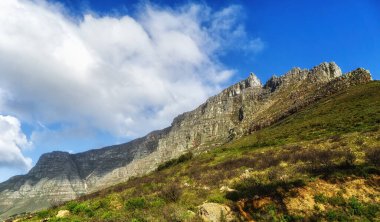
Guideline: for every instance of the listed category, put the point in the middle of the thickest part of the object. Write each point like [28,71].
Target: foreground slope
[241,109]
[320,164]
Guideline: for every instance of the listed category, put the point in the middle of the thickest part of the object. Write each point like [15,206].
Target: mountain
[318,164]
[243,109]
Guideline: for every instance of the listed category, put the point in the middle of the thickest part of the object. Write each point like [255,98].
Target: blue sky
[295,32]
[85,74]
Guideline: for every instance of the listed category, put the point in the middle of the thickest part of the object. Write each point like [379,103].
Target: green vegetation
[43,214]
[183,158]
[135,203]
[80,209]
[320,198]
[320,152]
[351,210]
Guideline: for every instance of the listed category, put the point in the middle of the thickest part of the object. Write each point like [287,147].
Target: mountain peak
[253,80]
[328,70]
[360,73]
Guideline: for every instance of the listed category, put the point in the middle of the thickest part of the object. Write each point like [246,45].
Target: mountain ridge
[238,110]
[319,164]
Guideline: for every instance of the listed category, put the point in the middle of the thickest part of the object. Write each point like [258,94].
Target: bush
[71,205]
[334,215]
[99,204]
[217,198]
[135,203]
[356,207]
[43,214]
[83,208]
[372,156]
[183,158]
[359,141]
[323,161]
[350,158]
[266,160]
[106,215]
[157,202]
[172,193]
[320,198]
[335,138]
[235,163]
[372,210]
[213,178]
[173,214]
[337,200]
[275,173]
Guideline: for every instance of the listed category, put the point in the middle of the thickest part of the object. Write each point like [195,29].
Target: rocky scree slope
[238,110]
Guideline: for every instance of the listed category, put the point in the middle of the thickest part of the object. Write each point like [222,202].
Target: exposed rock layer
[238,110]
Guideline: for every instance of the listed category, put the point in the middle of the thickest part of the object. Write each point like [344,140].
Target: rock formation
[240,109]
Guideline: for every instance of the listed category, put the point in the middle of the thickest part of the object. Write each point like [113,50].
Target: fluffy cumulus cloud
[124,75]
[12,142]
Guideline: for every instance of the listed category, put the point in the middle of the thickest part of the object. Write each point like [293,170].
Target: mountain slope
[241,109]
[321,163]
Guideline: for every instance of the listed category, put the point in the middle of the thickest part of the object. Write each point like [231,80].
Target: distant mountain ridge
[240,109]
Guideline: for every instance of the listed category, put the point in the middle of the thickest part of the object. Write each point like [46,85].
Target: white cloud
[12,142]
[123,75]
[256,45]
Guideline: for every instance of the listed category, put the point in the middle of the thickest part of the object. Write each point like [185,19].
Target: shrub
[320,198]
[217,198]
[135,203]
[172,193]
[71,205]
[83,208]
[43,214]
[213,178]
[356,207]
[157,202]
[275,173]
[359,141]
[335,138]
[183,158]
[99,204]
[252,186]
[266,160]
[334,215]
[235,163]
[323,161]
[350,158]
[372,210]
[372,156]
[337,200]
[106,215]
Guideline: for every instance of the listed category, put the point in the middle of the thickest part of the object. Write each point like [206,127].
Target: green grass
[352,210]
[354,110]
[334,139]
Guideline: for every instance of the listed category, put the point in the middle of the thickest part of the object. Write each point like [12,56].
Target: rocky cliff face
[238,110]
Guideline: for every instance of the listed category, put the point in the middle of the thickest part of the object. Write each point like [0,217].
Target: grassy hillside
[319,164]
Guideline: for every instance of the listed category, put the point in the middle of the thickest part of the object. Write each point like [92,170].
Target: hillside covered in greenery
[320,164]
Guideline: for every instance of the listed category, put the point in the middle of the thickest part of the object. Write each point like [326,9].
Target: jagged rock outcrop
[240,109]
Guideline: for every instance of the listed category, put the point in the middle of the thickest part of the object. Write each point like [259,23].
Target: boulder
[63,213]
[214,212]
